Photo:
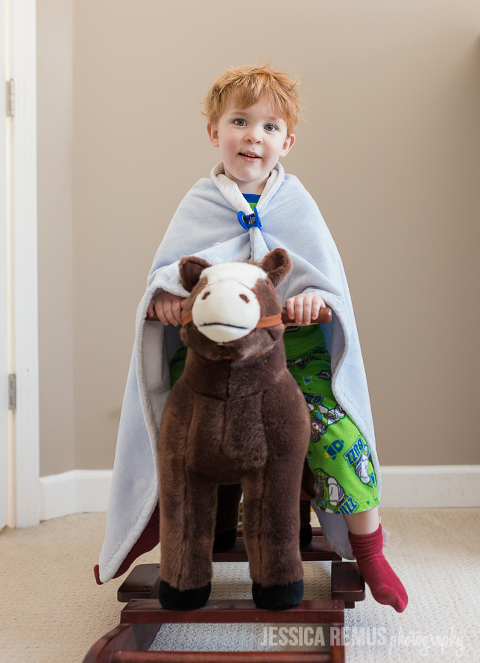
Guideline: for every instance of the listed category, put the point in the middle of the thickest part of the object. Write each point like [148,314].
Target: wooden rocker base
[143,616]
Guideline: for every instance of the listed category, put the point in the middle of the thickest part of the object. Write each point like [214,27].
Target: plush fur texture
[241,424]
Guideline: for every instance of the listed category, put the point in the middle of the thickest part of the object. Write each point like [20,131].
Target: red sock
[147,540]
[384,584]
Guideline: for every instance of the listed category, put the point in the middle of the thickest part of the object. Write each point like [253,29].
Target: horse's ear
[277,264]
[190,268]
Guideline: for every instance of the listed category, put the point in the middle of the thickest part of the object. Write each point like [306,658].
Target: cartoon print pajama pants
[337,454]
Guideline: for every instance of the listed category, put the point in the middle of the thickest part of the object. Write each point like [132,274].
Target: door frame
[21,188]
[5,415]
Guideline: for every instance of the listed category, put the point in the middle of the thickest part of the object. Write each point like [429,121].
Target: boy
[252,113]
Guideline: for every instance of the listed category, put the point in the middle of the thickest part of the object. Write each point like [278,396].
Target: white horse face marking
[227,308]
[238,271]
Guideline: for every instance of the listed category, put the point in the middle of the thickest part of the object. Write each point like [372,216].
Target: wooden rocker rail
[143,616]
[220,657]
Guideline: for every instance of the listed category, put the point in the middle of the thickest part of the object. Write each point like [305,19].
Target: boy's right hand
[167,308]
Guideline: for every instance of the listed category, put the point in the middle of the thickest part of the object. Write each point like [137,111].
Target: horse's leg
[271,526]
[187,521]
[228,500]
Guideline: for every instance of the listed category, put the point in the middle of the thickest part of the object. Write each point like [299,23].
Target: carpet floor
[52,611]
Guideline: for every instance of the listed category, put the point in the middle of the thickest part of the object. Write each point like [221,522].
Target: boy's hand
[167,308]
[302,309]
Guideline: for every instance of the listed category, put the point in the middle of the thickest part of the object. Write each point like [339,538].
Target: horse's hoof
[188,599]
[278,597]
[224,540]
[306,536]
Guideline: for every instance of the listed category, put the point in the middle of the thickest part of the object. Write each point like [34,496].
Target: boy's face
[251,141]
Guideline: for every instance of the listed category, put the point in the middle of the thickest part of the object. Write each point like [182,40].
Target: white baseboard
[77,491]
[437,486]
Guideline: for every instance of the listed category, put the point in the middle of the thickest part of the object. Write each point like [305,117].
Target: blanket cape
[205,224]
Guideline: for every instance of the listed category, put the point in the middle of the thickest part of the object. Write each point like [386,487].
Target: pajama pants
[338,455]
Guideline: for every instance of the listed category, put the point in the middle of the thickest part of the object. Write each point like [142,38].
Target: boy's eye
[270,127]
[239,122]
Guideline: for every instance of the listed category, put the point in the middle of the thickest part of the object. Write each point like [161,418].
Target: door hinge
[10,98]
[12,391]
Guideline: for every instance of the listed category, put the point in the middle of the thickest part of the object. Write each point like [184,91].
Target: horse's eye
[206,295]
[245,298]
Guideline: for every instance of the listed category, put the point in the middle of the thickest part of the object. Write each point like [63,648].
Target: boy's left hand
[302,309]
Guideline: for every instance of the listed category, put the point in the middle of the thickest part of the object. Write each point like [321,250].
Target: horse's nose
[226,311]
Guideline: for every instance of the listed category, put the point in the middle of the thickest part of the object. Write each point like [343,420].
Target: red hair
[245,85]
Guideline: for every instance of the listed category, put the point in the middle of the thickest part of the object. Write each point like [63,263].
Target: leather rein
[268,321]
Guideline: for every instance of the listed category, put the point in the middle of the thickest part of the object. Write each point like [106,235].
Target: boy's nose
[253,137]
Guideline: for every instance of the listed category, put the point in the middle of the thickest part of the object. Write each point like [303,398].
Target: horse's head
[233,308]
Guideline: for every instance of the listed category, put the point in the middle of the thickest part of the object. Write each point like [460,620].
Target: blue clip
[251,221]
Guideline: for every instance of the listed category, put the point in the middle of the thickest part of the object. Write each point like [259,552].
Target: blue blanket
[206,224]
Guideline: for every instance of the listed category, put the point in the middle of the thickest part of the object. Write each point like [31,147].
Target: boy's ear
[287,145]
[213,133]
[190,268]
[277,264]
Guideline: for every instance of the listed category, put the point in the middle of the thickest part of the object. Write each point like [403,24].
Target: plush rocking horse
[235,421]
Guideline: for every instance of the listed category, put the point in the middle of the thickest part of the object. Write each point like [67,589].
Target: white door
[4,263]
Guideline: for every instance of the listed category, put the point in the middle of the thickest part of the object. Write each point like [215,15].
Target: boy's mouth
[249,155]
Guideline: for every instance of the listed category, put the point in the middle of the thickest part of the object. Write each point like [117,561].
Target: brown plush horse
[235,418]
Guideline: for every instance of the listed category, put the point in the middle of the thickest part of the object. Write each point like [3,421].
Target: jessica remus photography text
[427,644]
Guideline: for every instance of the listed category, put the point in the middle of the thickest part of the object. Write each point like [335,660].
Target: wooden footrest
[347,583]
[140,583]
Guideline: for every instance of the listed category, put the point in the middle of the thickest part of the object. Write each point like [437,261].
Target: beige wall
[389,149]
[55,265]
